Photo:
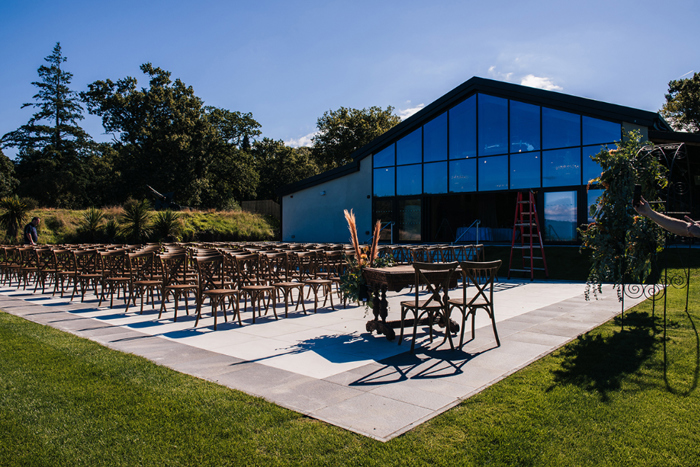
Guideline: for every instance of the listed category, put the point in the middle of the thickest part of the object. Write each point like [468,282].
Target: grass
[610,398]
[63,225]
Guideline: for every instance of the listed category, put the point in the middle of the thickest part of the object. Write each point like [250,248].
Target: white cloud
[540,82]
[499,75]
[405,113]
[302,141]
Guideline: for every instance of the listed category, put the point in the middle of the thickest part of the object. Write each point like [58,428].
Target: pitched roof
[551,99]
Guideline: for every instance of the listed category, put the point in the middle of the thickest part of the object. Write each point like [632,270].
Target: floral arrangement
[623,245]
[352,283]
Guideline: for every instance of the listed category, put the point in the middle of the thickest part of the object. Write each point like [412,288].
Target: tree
[8,181]
[52,145]
[343,131]
[279,165]
[166,138]
[682,107]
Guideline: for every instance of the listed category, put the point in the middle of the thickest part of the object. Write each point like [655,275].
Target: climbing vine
[623,245]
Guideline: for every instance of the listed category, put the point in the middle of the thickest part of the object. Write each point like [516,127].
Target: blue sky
[287,62]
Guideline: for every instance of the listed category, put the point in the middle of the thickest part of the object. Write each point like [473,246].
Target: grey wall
[308,216]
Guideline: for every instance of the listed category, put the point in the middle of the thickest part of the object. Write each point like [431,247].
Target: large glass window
[493,125]
[409,148]
[463,129]
[591,169]
[384,182]
[435,139]
[597,131]
[409,220]
[525,170]
[435,177]
[409,180]
[385,157]
[524,127]
[560,129]
[384,212]
[560,216]
[493,173]
[463,176]
[561,167]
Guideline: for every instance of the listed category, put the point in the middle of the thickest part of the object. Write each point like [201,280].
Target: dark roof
[552,99]
[659,137]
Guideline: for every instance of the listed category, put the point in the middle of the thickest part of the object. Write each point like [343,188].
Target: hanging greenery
[623,245]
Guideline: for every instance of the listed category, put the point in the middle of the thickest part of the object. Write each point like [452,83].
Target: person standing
[31,236]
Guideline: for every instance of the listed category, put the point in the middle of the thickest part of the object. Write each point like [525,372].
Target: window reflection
[409,220]
[435,139]
[385,157]
[435,177]
[593,196]
[597,131]
[560,216]
[493,125]
[524,127]
[463,176]
[591,169]
[561,167]
[493,173]
[384,182]
[408,180]
[463,129]
[383,212]
[408,148]
[560,129]
[525,170]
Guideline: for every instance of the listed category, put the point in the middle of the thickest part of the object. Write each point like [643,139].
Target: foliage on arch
[623,245]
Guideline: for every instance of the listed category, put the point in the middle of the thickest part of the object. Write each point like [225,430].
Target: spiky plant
[166,225]
[135,222]
[90,223]
[15,212]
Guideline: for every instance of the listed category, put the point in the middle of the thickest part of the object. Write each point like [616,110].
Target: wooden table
[394,279]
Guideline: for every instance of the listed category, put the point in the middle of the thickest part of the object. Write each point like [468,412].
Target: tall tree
[279,165]
[682,107]
[52,145]
[165,136]
[342,131]
[8,181]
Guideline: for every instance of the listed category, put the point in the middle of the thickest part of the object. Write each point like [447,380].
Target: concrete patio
[326,365]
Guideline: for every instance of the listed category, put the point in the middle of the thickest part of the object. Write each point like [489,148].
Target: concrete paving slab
[326,365]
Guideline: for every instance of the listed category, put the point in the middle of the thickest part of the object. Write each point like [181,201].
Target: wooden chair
[146,277]
[276,267]
[480,275]
[176,281]
[115,276]
[87,272]
[320,283]
[212,283]
[252,284]
[436,277]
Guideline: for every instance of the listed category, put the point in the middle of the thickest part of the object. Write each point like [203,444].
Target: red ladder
[528,224]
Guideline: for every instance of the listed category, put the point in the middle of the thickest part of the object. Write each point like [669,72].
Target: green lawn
[609,398]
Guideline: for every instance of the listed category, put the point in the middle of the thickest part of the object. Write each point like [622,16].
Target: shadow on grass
[599,363]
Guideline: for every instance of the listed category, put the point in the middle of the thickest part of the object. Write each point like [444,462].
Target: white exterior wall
[310,217]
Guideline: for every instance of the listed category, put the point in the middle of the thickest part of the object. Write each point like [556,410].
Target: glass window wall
[385,157]
[463,129]
[525,170]
[435,178]
[596,131]
[560,216]
[435,139]
[561,167]
[493,125]
[384,182]
[560,129]
[591,169]
[409,148]
[493,173]
[409,220]
[409,179]
[524,127]
[463,176]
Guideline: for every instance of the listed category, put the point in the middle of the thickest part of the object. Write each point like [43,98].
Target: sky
[288,62]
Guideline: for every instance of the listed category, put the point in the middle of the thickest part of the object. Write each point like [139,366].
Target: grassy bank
[610,398]
[64,226]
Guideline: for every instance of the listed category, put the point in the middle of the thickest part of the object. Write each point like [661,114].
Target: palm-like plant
[90,223]
[135,222]
[166,225]
[14,214]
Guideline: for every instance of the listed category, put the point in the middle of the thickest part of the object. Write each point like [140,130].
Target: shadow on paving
[599,363]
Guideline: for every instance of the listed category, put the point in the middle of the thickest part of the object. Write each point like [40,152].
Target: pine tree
[52,144]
